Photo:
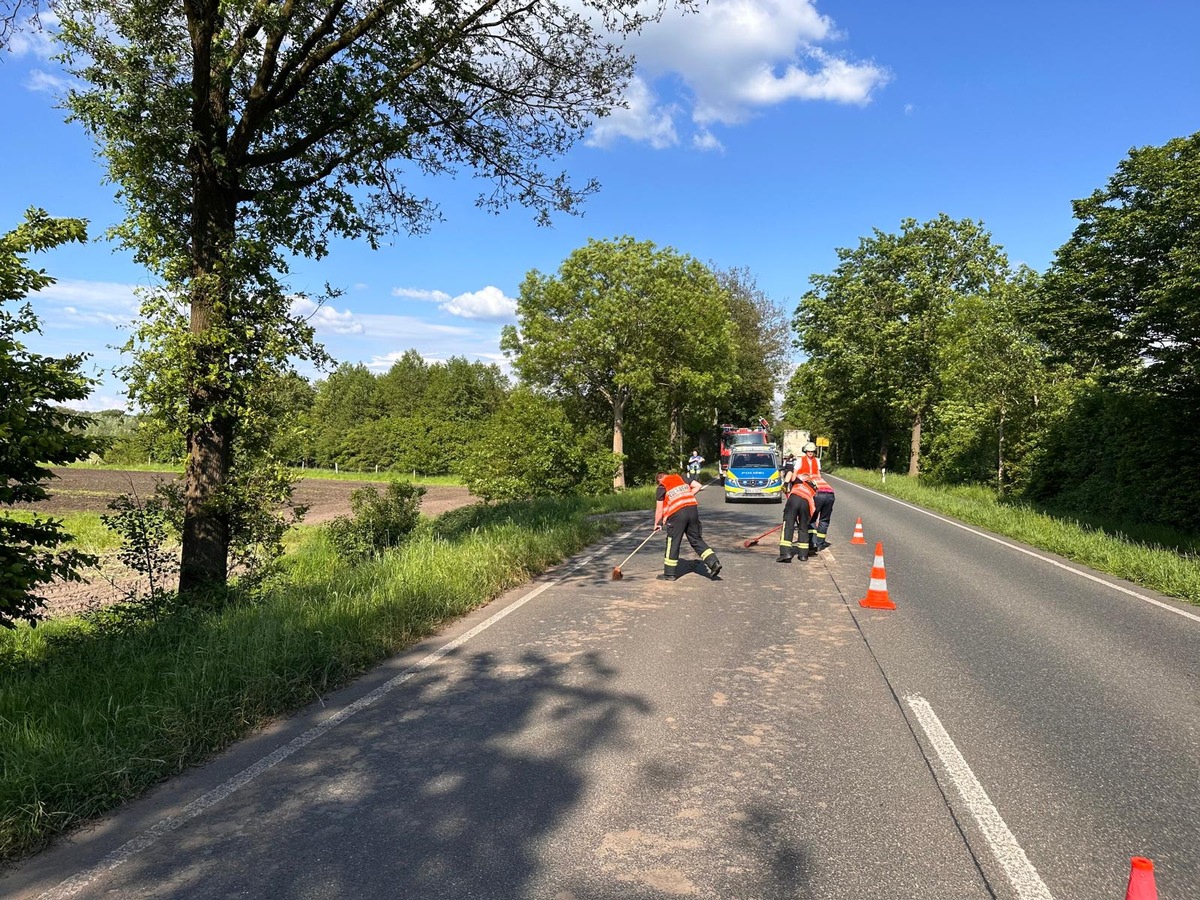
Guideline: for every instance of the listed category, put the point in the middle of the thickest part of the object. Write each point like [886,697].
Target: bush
[378,523]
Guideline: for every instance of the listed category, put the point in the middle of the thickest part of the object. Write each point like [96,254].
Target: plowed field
[90,490]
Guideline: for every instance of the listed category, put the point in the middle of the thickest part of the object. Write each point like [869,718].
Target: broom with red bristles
[616,572]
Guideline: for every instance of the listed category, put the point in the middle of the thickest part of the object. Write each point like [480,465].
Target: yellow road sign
[822,442]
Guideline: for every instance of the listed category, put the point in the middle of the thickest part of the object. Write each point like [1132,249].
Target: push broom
[616,572]
[750,542]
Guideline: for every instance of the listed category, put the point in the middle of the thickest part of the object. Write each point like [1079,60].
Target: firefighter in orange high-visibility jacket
[808,463]
[798,514]
[677,511]
[820,523]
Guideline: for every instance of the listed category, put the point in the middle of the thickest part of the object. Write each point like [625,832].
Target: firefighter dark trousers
[820,523]
[793,537]
[686,523]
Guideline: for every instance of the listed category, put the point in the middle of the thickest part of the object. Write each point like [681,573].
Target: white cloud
[86,304]
[98,402]
[408,328]
[642,120]
[33,39]
[325,319]
[419,294]
[706,140]
[489,303]
[735,58]
[44,83]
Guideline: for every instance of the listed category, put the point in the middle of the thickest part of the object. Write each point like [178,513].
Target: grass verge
[91,718]
[1149,561]
[85,530]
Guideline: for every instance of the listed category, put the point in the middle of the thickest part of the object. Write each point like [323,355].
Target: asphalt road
[1014,729]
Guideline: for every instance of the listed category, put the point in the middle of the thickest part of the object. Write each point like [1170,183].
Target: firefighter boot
[714,565]
[785,553]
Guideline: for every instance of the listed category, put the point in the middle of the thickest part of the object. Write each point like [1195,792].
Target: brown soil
[90,490]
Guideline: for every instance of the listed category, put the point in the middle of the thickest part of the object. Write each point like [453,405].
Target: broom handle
[637,548]
[765,533]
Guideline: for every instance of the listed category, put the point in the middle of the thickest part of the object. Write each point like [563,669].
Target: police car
[753,474]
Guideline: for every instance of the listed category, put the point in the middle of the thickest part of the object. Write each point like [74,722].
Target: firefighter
[677,510]
[798,513]
[808,464]
[695,461]
[820,522]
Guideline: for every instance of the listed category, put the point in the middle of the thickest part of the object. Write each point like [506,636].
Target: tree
[34,429]
[875,324]
[994,381]
[1123,294]
[240,133]
[623,318]
[762,335]
[530,449]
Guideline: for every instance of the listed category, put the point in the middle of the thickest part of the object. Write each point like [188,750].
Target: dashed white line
[73,885]
[1054,562]
[1020,872]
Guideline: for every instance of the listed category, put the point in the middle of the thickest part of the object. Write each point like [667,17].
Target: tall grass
[87,532]
[1164,561]
[90,718]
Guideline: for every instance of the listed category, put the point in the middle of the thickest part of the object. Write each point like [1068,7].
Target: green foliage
[529,449]
[240,138]
[378,523]
[1123,294]
[143,526]
[35,430]
[417,417]
[875,332]
[1127,456]
[762,344]
[620,320]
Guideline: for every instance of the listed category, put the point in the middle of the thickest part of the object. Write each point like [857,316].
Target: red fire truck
[732,436]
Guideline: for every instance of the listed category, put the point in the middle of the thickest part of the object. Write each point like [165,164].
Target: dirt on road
[91,490]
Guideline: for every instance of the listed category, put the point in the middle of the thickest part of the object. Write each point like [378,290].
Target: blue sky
[760,133]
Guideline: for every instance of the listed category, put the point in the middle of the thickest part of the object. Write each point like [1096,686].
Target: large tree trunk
[618,446]
[205,552]
[914,459]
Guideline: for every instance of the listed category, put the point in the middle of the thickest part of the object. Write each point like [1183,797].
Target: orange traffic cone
[877,593]
[1141,880]
[859,537]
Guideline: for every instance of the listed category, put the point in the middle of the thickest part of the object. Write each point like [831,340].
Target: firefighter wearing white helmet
[808,464]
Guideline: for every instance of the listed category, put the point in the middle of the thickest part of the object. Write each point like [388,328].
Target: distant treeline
[1078,388]
[445,418]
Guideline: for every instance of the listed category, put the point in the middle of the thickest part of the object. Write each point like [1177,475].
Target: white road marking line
[1027,552]
[151,836]
[1020,872]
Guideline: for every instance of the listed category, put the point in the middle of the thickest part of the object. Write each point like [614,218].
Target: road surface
[1018,727]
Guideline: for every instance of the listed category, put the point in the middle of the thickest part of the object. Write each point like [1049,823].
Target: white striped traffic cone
[859,537]
[877,594]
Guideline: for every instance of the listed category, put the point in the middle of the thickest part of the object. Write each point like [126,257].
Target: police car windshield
[753,461]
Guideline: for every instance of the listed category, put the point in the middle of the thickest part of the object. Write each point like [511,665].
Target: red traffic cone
[1141,880]
[859,537]
[877,594]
